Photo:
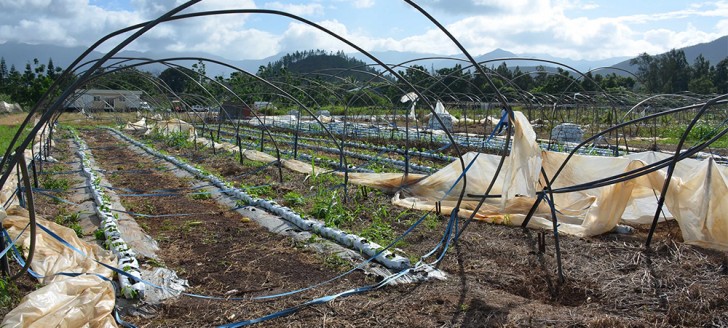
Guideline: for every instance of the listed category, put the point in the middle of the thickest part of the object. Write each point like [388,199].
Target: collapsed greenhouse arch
[526,177]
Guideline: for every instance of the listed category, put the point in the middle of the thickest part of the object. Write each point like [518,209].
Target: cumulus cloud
[298,9]
[555,27]
[64,22]
[722,26]
[546,27]
[363,3]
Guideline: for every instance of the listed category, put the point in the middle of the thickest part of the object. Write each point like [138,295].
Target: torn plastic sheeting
[695,197]
[51,256]
[386,258]
[173,285]
[81,301]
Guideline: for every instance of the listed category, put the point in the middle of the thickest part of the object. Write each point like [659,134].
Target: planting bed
[496,274]
[255,240]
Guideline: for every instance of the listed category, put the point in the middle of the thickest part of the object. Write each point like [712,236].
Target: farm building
[107,100]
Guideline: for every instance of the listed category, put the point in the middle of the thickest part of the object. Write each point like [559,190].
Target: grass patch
[6,135]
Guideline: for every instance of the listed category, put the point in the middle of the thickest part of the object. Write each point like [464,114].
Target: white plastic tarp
[51,256]
[82,301]
[694,199]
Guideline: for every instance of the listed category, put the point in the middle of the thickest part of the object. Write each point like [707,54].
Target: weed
[293,198]
[378,232]
[99,234]
[71,221]
[144,226]
[189,225]
[155,263]
[432,221]
[8,293]
[201,196]
[174,139]
[167,225]
[262,191]
[335,262]
[331,211]
[53,183]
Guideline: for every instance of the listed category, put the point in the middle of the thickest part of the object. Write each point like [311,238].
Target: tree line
[671,73]
[28,86]
[297,75]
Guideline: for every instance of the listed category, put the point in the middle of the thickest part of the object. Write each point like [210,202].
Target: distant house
[106,100]
[234,111]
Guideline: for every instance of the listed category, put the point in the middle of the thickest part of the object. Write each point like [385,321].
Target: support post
[262,136]
[557,247]
[212,143]
[240,149]
[4,266]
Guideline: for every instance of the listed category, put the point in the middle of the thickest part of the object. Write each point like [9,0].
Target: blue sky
[573,29]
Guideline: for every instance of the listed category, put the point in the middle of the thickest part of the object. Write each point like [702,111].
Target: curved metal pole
[31,212]
[44,118]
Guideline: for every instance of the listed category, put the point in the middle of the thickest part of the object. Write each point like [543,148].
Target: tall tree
[720,77]
[175,79]
[3,76]
[701,80]
[675,71]
[647,71]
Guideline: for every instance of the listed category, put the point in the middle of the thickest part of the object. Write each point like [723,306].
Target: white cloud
[363,3]
[542,26]
[296,9]
[520,26]
[722,27]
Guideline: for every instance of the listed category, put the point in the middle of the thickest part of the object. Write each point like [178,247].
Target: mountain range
[19,54]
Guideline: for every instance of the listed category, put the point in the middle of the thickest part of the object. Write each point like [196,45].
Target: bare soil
[497,277]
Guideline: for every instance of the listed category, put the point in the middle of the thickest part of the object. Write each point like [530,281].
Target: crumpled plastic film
[694,198]
[172,125]
[82,301]
[140,125]
[51,256]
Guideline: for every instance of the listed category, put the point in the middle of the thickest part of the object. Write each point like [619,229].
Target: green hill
[319,64]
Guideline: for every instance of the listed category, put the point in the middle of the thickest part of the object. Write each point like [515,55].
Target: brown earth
[496,274]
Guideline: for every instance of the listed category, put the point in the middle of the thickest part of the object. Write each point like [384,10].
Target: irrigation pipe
[388,259]
[415,167]
[369,147]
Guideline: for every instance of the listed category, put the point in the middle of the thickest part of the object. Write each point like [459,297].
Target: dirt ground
[497,277]
[12,119]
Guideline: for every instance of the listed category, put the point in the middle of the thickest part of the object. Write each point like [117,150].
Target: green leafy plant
[71,221]
[201,196]
[53,183]
[8,293]
[99,234]
[293,198]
